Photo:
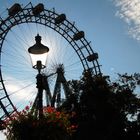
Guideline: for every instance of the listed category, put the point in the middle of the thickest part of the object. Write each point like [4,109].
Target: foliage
[24,125]
[106,109]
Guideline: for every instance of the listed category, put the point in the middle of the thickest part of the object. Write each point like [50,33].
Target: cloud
[19,91]
[129,11]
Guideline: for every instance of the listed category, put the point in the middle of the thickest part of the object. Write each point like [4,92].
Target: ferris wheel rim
[66,29]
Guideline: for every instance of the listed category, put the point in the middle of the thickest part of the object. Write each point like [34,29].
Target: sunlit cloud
[21,95]
[19,91]
[129,11]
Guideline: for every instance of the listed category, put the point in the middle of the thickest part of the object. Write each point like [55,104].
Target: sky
[112,26]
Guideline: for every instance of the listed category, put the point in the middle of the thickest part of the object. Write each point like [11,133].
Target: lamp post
[38,53]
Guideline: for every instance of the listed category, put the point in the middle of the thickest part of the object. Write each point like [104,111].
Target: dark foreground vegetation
[100,109]
[104,109]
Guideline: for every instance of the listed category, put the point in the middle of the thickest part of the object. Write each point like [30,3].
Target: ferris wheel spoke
[23,97]
[10,55]
[15,64]
[12,72]
[72,64]
[22,102]
[10,80]
[19,90]
[19,39]
[27,102]
[14,49]
[15,67]
[31,33]
[23,30]
[69,55]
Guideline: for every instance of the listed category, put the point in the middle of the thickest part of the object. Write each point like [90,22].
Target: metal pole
[40,95]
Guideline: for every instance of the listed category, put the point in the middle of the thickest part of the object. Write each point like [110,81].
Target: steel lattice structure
[60,24]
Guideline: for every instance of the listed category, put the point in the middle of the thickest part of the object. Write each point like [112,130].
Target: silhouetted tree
[105,109]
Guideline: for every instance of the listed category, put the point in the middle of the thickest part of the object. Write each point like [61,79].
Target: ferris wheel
[69,55]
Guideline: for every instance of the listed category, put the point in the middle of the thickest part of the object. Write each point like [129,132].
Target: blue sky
[112,26]
[108,24]
[113,31]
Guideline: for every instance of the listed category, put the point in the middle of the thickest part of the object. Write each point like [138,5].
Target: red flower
[27,108]
[52,119]
[49,109]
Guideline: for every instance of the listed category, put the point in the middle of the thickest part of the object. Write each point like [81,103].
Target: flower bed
[54,125]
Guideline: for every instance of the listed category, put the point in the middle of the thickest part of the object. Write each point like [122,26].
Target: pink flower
[27,108]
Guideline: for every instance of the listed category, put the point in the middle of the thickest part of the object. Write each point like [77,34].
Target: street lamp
[38,53]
